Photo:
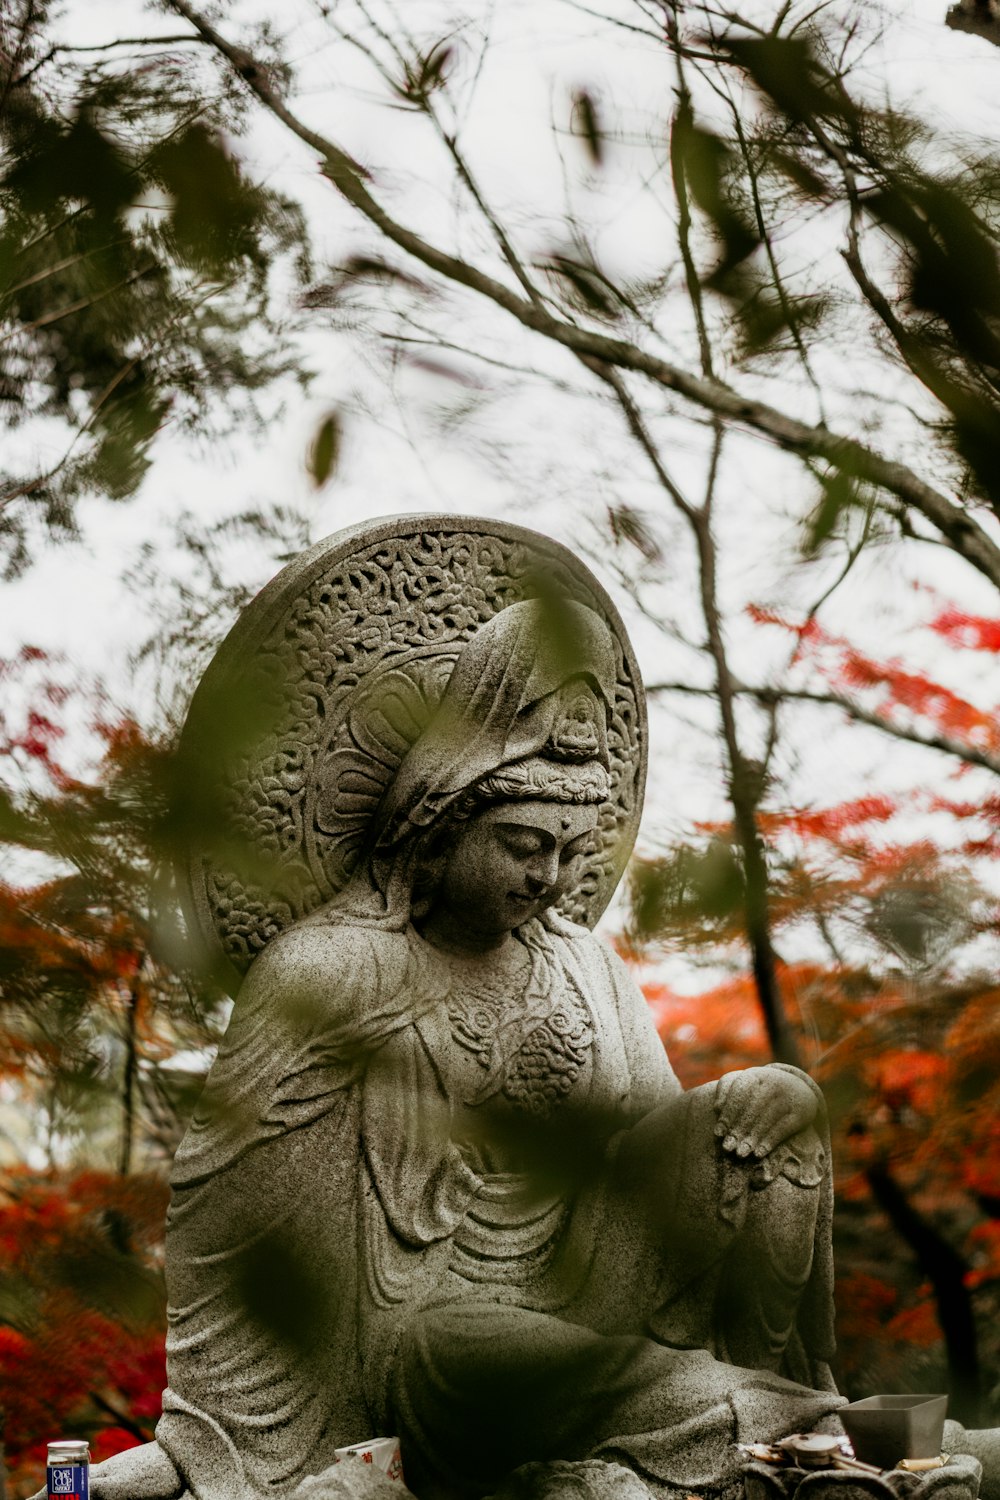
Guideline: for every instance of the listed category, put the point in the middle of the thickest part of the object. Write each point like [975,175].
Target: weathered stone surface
[587,1480]
[959,1479]
[443,1182]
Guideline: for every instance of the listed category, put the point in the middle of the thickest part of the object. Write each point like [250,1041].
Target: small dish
[884,1429]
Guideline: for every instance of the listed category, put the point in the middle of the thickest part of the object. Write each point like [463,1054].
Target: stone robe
[389,1181]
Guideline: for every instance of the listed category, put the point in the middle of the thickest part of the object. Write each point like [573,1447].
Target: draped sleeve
[631,1058]
[314,1008]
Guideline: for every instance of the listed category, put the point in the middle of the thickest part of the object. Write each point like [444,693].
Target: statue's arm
[653,1080]
[342,985]
[314,1006]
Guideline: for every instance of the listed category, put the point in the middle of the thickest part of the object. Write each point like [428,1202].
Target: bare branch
[123,41]
[962,530]
[641,433]
[768,695]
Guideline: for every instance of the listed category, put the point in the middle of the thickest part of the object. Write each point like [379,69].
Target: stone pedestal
[958,1480]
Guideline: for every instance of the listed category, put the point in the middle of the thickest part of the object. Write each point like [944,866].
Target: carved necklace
[529,1029]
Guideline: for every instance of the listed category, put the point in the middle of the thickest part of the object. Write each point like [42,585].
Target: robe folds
[361,1233]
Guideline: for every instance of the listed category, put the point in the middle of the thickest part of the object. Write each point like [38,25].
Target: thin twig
[125,41]
[967,537]
[766,695]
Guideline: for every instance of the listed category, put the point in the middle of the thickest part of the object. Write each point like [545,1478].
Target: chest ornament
[532,1047]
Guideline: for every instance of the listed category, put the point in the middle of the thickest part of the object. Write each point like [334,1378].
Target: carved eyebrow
[541,834]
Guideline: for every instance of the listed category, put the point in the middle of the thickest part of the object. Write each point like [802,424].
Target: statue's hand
[758,1108]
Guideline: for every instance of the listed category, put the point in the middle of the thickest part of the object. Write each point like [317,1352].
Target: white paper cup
[382,1453]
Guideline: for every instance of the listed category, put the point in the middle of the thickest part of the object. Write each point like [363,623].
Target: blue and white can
[68,1470]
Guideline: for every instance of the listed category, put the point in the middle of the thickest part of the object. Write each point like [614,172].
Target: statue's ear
[429,868]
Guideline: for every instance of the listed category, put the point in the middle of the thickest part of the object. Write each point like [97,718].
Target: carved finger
[722,1091]
[733,1113]
[751,1099]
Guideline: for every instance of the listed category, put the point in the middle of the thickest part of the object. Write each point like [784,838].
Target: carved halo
[321,687]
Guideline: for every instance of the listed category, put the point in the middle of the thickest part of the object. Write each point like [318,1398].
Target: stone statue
[442,1181]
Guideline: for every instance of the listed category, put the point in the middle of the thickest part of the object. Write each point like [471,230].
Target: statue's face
[507,865]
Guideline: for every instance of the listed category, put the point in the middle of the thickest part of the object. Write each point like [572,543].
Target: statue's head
[503,790]
[510,861]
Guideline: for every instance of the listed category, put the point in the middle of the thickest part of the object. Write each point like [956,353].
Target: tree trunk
[946,1270]
[128,1083]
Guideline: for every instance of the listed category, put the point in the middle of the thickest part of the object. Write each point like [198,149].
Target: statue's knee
[439,1342]
[802,1160]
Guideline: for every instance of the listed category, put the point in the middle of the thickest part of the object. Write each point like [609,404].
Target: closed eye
[524,841]
[582,845]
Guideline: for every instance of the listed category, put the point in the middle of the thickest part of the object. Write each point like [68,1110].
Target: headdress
[527,702]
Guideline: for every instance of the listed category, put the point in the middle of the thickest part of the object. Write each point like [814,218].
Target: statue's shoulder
[328,949]
[595,954]
[586,950]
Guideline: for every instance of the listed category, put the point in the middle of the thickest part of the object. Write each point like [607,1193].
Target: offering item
[381,1453]
[807,1450]
[68,1470]
[885,1429]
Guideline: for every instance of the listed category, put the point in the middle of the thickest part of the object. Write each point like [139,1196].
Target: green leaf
[584,285]
[709,167]
[324,449]
[585,122]
[427,74]
[766,319]
[690,886]
[787,72]
[838,493]
[629,525]
[76,164]
[214,210]
[434,67]
[808,181]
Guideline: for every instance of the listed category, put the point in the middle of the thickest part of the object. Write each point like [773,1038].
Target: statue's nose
[543,872]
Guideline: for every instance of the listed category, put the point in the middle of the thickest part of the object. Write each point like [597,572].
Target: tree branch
[963,532]
[767,695]
[122,41]
[742,795]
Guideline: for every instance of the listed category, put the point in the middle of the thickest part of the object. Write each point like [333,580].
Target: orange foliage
[708,1034]
[901,1024]
[831,822]
[863,1303]
[970,631]
[915,1326]
[851,671]
[909,1078]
